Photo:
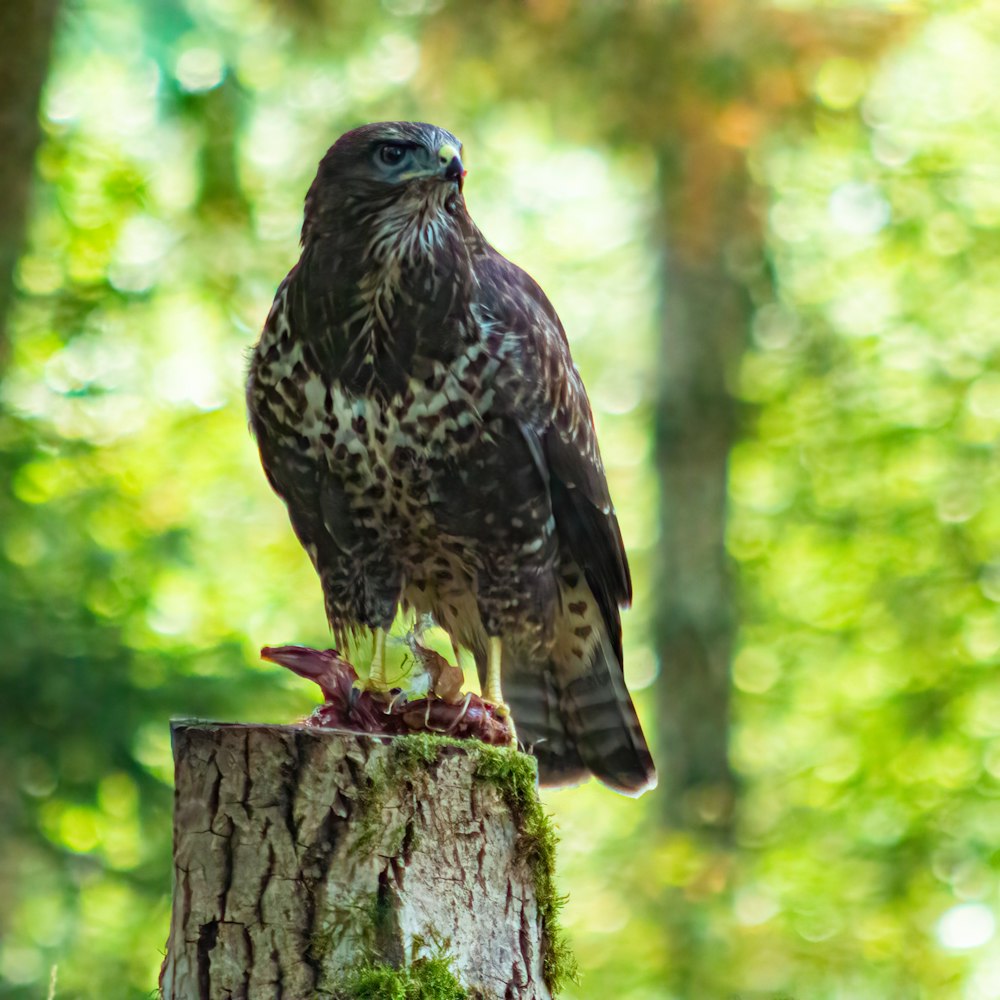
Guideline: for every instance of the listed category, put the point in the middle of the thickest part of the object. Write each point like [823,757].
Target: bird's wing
[574,708]
[541,388]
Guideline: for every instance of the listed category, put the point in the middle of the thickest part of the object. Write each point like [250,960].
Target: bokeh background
[773,232]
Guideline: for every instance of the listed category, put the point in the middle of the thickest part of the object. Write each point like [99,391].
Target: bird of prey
[417,409]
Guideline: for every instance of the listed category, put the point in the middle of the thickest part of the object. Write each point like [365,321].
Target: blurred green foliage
[143,560]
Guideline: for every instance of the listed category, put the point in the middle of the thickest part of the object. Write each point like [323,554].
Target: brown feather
[417,408]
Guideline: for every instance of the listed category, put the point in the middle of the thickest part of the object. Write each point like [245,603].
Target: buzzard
[417,409]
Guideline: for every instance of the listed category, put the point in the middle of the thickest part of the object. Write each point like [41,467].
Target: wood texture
[26,29]
[298,851]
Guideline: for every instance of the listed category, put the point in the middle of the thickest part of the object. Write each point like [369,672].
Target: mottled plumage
[417,408]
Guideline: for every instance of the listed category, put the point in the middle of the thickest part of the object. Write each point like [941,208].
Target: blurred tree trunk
[26,30]
[735,80]
[705,313]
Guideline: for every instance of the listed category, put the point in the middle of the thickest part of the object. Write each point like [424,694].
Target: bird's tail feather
[531,691]
[580,721]
[601,720]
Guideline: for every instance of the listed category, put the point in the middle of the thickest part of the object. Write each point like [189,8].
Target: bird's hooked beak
[451,164]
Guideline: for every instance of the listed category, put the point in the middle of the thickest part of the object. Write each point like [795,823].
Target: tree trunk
[705,318]
[26,29]
[300,853]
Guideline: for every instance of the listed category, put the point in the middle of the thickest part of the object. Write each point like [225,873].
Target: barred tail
[578,719]
[531,690]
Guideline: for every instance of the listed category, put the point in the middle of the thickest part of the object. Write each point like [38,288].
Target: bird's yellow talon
[492,691]
[503,714]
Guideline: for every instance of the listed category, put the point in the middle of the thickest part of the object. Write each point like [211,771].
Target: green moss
[410,753]
[423,979]
[515,777]
[407,756]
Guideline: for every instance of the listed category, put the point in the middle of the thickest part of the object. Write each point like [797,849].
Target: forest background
[772,232]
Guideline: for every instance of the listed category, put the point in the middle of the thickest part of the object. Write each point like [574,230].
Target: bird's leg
[376,672]
[492,692]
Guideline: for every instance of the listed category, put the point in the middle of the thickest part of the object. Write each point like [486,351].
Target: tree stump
[304,855]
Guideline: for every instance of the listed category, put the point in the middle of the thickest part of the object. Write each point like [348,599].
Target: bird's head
[383,164]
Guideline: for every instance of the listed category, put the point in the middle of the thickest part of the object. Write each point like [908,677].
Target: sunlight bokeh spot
[968,925]
[840,82]
[199,68]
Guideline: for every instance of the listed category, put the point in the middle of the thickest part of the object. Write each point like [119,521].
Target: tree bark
[299,852]
[705,318]
[26,30]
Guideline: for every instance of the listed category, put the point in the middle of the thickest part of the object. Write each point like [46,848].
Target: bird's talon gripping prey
[417,408]
[503,714]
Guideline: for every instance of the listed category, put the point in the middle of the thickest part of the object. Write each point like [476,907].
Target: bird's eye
[391,153]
